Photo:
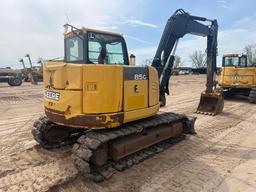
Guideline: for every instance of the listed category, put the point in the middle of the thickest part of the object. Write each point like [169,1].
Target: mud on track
[221,157]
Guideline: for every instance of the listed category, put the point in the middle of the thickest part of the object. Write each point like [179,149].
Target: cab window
[94,51]
[243,62]
[74,49]
[106,49]
[231,61]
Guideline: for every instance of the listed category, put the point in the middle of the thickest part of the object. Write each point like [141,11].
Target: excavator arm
[178,25]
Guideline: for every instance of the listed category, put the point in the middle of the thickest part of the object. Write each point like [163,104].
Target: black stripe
[135,73]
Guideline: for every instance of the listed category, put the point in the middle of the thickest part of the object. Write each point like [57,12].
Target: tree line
[198,58]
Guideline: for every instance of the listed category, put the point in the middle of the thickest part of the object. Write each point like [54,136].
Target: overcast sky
[35,26]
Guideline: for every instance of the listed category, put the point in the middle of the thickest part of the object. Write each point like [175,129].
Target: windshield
[231,61]
[105,49]
[74,49]
[235,61]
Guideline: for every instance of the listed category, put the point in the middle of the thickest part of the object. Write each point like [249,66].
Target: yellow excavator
[238,77]
[109,109]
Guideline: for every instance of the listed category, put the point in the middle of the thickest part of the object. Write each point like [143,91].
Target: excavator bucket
[211,103]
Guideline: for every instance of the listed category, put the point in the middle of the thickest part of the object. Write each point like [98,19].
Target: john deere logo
[136,88]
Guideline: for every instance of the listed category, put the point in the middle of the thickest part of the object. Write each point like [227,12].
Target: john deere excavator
[238,77]
[110,110]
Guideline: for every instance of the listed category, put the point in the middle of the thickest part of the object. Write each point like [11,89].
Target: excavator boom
[178,25]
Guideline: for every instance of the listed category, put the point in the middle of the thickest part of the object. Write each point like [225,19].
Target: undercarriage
[98,154]
[250,93]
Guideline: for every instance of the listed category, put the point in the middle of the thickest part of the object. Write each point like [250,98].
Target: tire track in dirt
[36,169]
[39,178]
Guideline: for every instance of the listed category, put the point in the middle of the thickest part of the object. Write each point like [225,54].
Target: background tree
[198,59]
[177,62]
[250,51]
[147,62]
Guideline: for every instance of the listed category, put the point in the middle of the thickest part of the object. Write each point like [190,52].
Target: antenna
[67,18]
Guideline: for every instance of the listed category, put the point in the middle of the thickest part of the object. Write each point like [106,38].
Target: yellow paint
[231,55]
[108,83]
[87,89]
[140,113]
[135,99]
[238,77]
[69,102]
[153,87]
[63,76]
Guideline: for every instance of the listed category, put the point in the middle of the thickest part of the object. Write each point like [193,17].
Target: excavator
[238,76]
[110,110]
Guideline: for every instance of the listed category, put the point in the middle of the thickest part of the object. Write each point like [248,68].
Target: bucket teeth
[210,103]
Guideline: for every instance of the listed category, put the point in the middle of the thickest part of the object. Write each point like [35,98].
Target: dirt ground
[221,157]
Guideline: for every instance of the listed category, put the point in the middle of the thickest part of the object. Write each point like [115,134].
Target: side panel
[63,76]
[102,88]
[135,88]
[153,87]
[135,95]
[65,103]
[140,113]
[238,77]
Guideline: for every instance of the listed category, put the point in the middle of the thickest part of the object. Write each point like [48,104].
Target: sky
[36,27]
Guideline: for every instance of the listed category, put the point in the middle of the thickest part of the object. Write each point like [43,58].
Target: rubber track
[89,143]
[252,96]
[41,125]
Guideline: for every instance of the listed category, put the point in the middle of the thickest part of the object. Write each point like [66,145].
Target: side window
[235,61]
[74,49]
[115,53]
[94,51]
[228,61]
[242,62]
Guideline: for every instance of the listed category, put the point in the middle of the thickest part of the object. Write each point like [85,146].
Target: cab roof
[85,30]
[231,55]
[234,55]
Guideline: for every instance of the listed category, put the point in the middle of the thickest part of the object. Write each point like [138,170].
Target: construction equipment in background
[31,76]
[238,77]
[33,71]
[111,107]
[25,71]
[11,76]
